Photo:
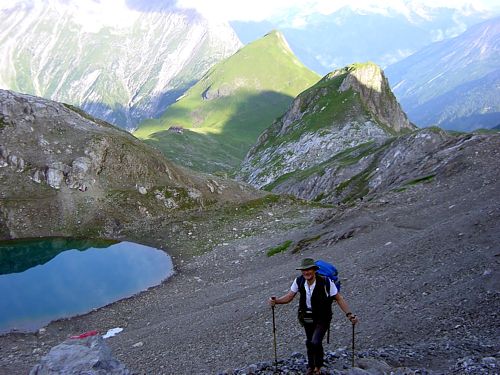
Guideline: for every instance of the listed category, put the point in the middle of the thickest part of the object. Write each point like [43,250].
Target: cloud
[260,10]
[291,12]
[230,10]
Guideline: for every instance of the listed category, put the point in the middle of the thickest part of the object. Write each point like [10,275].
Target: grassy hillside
[230,106]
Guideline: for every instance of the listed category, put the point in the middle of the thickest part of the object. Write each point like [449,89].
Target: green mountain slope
[221,116]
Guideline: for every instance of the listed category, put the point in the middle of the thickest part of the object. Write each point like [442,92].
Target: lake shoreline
[72,277]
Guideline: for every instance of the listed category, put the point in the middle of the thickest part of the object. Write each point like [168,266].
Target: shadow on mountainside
[224,151]
[128,118]
[467,107]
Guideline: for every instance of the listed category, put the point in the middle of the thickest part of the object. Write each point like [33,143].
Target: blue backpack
[329,271]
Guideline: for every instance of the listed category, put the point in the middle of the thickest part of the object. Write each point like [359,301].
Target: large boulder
[89,356]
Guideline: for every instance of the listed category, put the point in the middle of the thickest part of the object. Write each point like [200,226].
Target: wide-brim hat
[307,264]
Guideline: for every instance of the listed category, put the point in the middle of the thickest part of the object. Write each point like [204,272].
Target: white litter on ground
[112,332]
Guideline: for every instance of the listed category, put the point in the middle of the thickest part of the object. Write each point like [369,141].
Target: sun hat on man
[307,264]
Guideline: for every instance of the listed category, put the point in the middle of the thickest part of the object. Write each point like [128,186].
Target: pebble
[370,363]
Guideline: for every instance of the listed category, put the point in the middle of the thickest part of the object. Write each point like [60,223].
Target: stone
[90,356]
[373,366]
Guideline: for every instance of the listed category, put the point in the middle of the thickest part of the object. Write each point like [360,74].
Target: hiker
[315,309]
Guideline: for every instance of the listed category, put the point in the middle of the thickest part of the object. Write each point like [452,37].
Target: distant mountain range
[122,73]
[214,124]
[351,34]
[135,66]
[454,84]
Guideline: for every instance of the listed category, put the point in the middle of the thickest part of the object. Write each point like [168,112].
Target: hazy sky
[95,13]
[258,10]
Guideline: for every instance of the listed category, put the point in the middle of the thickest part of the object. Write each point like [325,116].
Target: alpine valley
[260,163]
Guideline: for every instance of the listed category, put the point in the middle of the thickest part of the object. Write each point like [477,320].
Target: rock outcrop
[374,90]
[64,173]
[347,108]
[373,168]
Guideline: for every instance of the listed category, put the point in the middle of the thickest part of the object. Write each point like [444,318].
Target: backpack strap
[326,282]
[327,290]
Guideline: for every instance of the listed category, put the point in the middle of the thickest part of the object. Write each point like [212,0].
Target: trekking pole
[274,334]
[353,345]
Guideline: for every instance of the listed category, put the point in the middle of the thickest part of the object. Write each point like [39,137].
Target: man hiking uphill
[315,309]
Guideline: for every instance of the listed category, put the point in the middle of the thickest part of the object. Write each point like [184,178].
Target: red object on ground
[86,334]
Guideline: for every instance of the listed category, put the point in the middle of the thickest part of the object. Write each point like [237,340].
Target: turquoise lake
[47,279]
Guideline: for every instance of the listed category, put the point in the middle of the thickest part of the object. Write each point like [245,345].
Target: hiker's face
[309,274]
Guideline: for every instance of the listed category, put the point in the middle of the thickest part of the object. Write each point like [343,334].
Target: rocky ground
[420,267]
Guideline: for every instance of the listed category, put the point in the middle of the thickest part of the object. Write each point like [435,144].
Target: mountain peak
[276,36]
[346,108]
[231,105]
[274,39]
[369,81]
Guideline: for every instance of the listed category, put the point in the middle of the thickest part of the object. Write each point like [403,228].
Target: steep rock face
[373,87]
[65,173]
[120,71]
[372,168]
[347,108]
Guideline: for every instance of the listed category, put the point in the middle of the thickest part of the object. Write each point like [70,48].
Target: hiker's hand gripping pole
[281,300]
[353,318]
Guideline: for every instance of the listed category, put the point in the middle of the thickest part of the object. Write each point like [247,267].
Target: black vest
[320,302]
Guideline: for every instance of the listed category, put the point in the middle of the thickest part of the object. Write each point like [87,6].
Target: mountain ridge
[452,80]
[123,73]
[230,106]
